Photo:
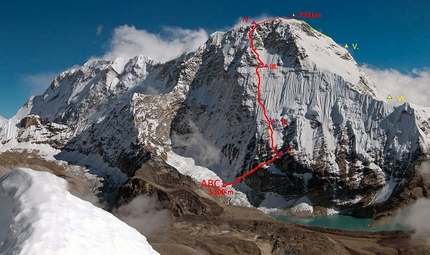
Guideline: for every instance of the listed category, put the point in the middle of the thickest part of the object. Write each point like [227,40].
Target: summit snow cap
[294,44]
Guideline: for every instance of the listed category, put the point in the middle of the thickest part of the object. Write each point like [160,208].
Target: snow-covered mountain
[345,142]
[348,147]
[39,216]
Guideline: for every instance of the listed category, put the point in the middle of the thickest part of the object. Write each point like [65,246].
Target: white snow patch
[39,216]
[303,205]
[384,194]
[118,65]
[187,166]
[45,151]
[373,166]
[350,201]
[332,211]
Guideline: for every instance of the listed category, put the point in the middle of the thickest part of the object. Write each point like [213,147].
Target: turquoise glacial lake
[339,222]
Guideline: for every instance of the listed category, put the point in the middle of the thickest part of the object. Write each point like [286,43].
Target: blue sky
[42,38]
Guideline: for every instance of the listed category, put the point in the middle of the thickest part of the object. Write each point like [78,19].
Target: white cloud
[416,218]
[144,214]
[127,42]
[39,82]
[196,146]
[99,29]
[413,86]
[72,67]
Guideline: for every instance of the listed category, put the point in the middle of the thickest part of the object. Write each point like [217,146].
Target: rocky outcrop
[34,129]
[174,191]
[30,120]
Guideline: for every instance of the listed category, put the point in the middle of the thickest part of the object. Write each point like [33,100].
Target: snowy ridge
[39,216]
[84,94]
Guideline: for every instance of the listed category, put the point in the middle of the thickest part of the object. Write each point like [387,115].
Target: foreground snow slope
[39,216]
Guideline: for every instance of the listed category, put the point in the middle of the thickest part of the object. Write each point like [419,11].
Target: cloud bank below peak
[128,41]
[413,85]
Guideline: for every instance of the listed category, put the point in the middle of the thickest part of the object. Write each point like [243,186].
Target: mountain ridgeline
[349,149]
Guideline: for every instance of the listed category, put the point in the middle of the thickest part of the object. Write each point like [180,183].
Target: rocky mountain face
[348,148]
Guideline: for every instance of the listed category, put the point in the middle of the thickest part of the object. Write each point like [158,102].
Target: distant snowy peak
[39,216]
[292,44]
[78,94]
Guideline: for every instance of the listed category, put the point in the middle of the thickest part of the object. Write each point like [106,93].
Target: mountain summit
[346,148]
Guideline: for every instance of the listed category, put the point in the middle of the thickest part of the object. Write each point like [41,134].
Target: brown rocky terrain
[240,230]
[204,224]
[175,192]
[402,196]
[79,184]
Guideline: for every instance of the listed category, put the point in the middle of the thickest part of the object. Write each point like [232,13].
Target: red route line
[262,106]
